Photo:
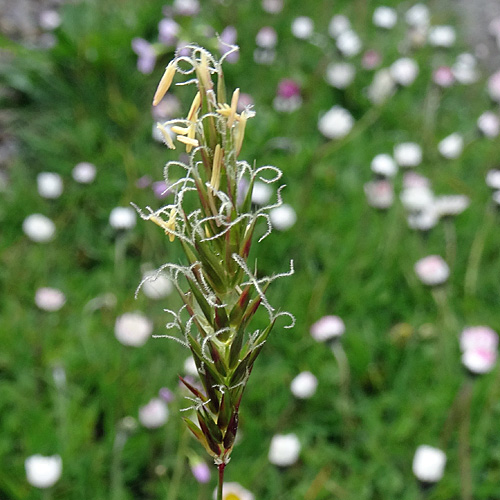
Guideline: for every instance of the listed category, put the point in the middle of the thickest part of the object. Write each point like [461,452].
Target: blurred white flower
[122,218]
[154,414]
[349,43]
[496,197]
[423,220]
[267,38]
[282,217]
[338,25]
[384,164]
[190,367]
[49,19]
[414,180]
[479,345]
[404,71]
[479,361]
[418,15]
[449,205]
[465,69]
[379,194]
[49,184]
[417,198]
[493,178]
[408,154]
[272,6]
[382,87]
[186,7]
[478,337]
[49,299]
[304,385]
[39,228]
[428,464]
[327,328]
[432,270]
[234,491]
[451,147]
[302,27]
[284,450]
[489,124]
[133,329]
[157,286]
[494,86]
[336,123]
[261,193]
[340,75]
[43,472]
[84,172]
[442,36]
[385,17]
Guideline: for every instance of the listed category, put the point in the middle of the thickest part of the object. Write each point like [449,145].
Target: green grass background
[84,100]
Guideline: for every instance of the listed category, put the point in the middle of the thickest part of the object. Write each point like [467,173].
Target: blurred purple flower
[201,472]
[443,76]
[168,107]
[227,39]
[182,48]
[143,182]
[166,394]
[288,97]
[371,59]
[160,189]
[241,191]
[494,86]
[288,88]
[266,38]
[244,101]
[146,55]
[168,30]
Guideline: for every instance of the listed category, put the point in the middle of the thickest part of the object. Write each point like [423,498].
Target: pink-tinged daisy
[432,270]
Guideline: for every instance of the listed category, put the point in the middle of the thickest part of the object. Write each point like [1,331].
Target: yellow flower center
[232,496]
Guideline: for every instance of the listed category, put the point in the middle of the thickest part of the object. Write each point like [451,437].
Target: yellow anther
[180,130]
[171,224]
[195,106]
[204,72]
[165,82]
[239,133]
[224,110]
[191,130]
[190,143]
[215,180]
[166,136]
[234,105]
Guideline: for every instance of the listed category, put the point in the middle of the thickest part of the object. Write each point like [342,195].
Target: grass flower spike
[220,290]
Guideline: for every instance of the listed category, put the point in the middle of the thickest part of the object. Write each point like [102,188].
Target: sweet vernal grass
[220,291]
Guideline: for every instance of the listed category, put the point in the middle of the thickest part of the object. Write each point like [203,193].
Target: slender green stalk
[221,468]
[116,469]
[345,380]
[450,236]
[476,253]
[464,441]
